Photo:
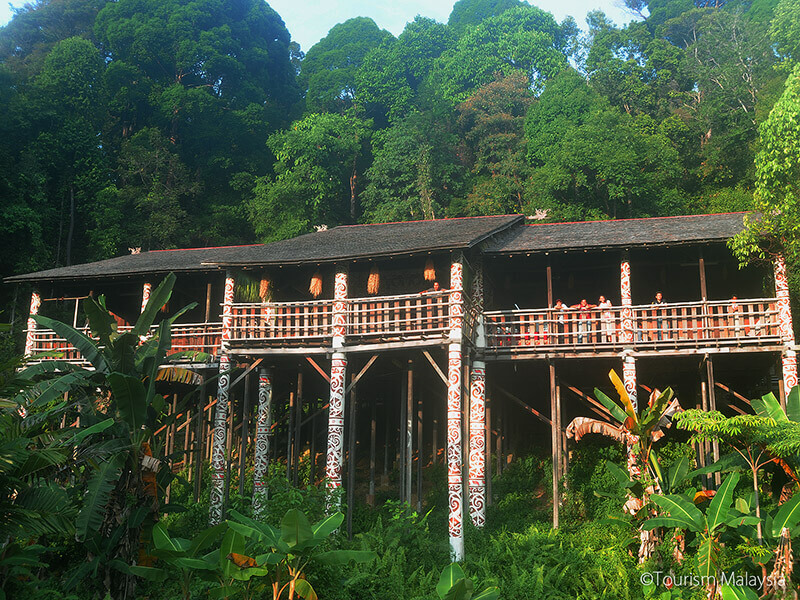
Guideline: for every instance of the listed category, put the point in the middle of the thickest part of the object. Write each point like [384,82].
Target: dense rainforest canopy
[167,123]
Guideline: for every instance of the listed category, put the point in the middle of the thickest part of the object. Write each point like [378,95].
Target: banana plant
[638,431]
[281,556]
[120,409]
[720,515]
[185,558]
[455,585]
[768,406]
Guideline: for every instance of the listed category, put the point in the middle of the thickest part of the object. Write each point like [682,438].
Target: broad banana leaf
[769,407]
[717,512]
[623,396]
[94,503]
[82,343]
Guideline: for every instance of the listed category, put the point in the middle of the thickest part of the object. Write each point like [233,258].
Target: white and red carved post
[146,289]
[263,437]
[335,458]
[455,476]
[477,444]
[789,358]
[218,458]
[30,336]
[628,362]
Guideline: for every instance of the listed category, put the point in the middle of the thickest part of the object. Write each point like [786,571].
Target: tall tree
[468,13]
[526,38]
[492,123]
[320,160]
[328,71]
[416,171]
[390,77]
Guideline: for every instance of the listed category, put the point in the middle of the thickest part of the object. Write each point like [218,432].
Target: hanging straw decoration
[263,290]
[374,281]
[315,287]
[430,272]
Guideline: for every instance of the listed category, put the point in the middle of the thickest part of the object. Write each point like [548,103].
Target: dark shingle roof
[621,233]
[340,243]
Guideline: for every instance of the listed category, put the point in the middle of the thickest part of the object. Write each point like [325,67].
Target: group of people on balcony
[601,322]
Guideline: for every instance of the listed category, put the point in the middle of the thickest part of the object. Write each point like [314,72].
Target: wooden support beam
[556,443]
[733,393]
[361,373]
[298,418]
[524,405]
[436,368]
[419,453]
[351,455]
[593,404]
[319,369]
[401,437]
[289,431]
[313,416]
[246,372]
[245,433]
[712,402]
[373,429]
[409,429]
[549,285]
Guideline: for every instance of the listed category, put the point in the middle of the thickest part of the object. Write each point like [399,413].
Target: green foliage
[328,72]
[318,163]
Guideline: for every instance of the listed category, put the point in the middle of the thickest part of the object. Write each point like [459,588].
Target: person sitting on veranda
[584,318]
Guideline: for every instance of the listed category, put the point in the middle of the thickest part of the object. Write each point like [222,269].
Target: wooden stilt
[704,448]
[298,421]
[419,453]
[245,437]
[401,442]
[556,443]
[200,427]
[313,446]
[351,459]
[435,441]
[386,444]
[372,436]
[477,444]
[289,432]
[409,431]
[498,438]
[712,405]
[263,442]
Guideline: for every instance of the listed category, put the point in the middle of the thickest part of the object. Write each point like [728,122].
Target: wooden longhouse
[382,367]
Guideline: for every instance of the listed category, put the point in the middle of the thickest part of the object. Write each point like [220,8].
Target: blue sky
[309,20]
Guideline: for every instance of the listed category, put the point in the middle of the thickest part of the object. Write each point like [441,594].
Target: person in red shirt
[584,318]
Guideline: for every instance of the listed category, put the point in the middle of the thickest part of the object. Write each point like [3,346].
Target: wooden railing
[744,322]
[195,337]
[301,323]
[410,316]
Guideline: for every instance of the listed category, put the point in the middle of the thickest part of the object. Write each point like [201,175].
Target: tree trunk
[71,224]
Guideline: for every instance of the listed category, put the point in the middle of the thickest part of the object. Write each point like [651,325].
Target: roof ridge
[427,220]
[741,212]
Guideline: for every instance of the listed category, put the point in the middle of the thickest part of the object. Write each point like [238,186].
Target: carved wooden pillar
[789,358]
[334,462]
[263,438]
[147,288]
[455,477]
[627,338]
[30,336]
[218,458]
[477,444]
